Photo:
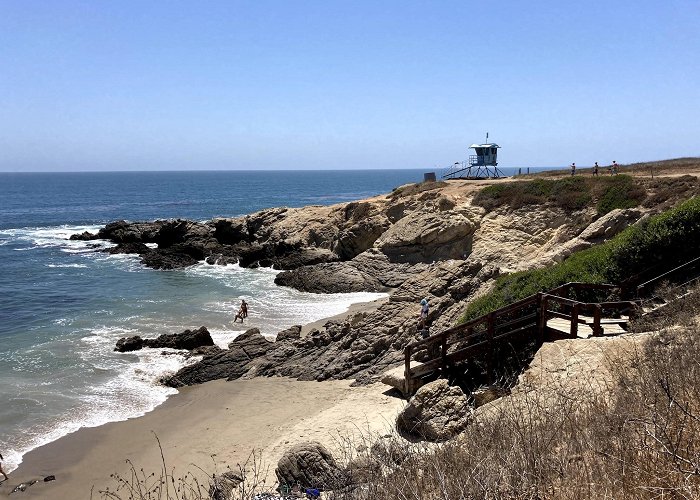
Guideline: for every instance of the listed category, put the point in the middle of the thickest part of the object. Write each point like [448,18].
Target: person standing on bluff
[573,169]
[595,169]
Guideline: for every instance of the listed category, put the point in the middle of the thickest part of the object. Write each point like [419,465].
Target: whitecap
[73,266]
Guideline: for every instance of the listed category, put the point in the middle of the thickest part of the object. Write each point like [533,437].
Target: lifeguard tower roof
[490,145]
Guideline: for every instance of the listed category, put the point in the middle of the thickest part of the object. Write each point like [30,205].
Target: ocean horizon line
[242,170]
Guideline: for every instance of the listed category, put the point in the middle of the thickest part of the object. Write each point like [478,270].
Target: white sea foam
[67,266]
[131,388]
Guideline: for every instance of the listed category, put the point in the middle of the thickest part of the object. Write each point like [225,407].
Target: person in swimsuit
[1,469]
[242,311]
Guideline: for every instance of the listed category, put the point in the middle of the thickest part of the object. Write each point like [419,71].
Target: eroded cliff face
[422,241]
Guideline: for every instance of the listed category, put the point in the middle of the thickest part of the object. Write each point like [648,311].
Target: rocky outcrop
[128,344]
[292,333]
[437,412]
[338,277]
[424,240]
[189,339]
[596,232]
[428,237]
[230,364]
[310,465]
[84,236]
[369,245]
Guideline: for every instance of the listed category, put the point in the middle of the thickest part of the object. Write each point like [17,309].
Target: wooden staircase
[543,317]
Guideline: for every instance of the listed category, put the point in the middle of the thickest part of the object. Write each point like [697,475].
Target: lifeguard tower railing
[474,168]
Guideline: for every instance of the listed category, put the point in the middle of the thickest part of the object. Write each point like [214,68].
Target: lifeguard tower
[482,165]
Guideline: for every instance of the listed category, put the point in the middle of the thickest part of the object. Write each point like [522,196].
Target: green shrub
[640,252]
[660,243]
[569,193]
[572,193]
[620,191]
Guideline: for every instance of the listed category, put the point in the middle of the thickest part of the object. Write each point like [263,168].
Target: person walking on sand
[573,169]
[595,169]
[242,311]
[2,471]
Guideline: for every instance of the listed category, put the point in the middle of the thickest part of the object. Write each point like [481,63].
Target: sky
[334,84]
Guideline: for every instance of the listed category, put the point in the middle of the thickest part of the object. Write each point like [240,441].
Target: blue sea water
[63,304]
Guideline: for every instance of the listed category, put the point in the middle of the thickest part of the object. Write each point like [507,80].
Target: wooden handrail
[485,331]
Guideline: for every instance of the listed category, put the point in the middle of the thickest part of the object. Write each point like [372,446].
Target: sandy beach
[206,428]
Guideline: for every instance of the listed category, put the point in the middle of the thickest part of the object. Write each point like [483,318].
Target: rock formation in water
[189,339]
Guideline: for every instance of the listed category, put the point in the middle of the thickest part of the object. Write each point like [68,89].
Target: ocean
[63,304]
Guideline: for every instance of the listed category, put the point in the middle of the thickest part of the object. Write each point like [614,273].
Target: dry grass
[413,189]
[678,166]
[634,435]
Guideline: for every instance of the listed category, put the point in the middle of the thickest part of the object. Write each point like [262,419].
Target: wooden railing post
[542,317]
[597,314]
[490,330]
[574,321]
[407,379]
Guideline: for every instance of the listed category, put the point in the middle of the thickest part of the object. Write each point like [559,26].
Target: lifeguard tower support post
[482,165]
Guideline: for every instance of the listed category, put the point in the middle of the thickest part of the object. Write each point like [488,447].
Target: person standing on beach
[573,169]
[1,469]
[595,169]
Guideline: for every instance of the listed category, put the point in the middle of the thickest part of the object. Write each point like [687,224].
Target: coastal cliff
[439,241]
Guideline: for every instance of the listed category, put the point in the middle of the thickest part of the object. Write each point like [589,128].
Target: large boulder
[84,236]
[428,237]
[335,277]
[189,339]
[167,259]
[437,412]
[130,232]
[291,333]
[128,344]
[360,236]
[311,465]
[129,247]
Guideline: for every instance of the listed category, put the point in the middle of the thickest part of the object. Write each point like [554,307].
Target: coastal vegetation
[417,188]
[661,241]
[569,193]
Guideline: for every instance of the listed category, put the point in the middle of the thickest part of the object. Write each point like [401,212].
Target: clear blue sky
[151,85]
